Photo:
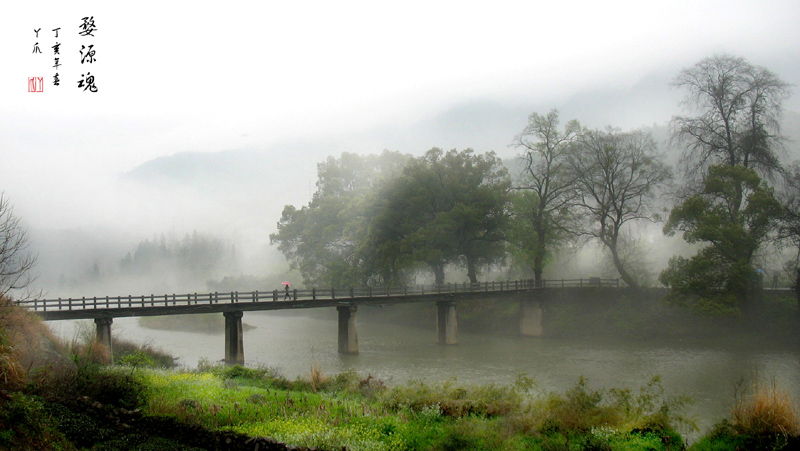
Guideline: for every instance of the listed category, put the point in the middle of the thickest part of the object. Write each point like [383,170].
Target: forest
[390,218]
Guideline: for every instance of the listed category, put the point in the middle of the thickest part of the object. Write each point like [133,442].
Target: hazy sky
[182,76]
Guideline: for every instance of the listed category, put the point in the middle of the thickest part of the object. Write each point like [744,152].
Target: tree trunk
[623,273]
[537,273]
[471,273]
[438,272]
[797,287]
[538,258]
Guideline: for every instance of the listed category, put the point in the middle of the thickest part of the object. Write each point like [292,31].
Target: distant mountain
[482,126]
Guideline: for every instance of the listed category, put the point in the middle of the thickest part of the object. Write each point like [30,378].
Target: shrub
[80,428]
[26,425]
[25,344]
[725,436]
[106,385]
[141,355]
[585,414]
[765,410]
[452,400]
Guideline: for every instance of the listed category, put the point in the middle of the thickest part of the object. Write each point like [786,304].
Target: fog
[209,121]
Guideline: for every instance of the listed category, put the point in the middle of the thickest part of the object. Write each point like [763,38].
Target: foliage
[420,416]
[141,355]
[618,177]
[195,257]
[376,219]
[78,427]
[112,386]
[452,400]
[445,207]
[136,359]
[732,216]
[724,437]
[321,239]
[540,211]
[789,227]
[583,409]
[26,425]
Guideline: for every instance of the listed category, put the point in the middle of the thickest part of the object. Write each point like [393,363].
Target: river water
[291,342]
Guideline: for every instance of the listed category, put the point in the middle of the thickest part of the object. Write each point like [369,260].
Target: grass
[763,417]
[765,409]
[346,410]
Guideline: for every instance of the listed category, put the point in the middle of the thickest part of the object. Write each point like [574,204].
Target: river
[291,342]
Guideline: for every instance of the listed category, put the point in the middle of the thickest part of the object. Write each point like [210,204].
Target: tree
[15,261]
[445,208]
[789,229]
[733,216]
[616,177]
[738,108]
[539,211]
[323,239]
[789,225]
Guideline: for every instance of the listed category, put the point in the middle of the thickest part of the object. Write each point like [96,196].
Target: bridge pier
[530,318]
[446,322]
[234,338]
[104,332]
[348,335]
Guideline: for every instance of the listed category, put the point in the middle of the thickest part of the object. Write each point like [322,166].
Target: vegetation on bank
[58,395]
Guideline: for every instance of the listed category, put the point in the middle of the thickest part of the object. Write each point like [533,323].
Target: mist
[199,131]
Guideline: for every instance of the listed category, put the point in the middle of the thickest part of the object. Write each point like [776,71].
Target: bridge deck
[173,304]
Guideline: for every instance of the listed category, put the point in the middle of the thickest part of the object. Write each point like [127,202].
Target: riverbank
[237,408]
[550,360]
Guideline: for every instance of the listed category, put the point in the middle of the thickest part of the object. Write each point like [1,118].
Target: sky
[347,75]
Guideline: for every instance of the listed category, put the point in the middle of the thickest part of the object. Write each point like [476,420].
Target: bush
[725,436]
[606,418]
[141,355]
[110,386]
[106,385]
[25,424]
[765,410]
[452,400]
[26,344]
[78,427]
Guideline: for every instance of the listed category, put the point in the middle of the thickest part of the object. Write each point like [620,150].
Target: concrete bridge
[232,305]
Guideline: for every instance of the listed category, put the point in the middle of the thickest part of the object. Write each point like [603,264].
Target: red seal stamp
[35,84]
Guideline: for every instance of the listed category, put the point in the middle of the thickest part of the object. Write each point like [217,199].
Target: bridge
[346,301]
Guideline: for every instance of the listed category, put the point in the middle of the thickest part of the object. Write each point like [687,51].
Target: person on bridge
[286,290]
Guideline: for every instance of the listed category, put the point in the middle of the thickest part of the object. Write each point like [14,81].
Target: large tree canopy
[738,110]
[732,216]
[376,219]
[445,208]
[322,239]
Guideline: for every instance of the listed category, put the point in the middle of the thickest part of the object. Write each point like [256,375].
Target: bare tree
[546,181]
[738,108]
[617,178]
[15,261]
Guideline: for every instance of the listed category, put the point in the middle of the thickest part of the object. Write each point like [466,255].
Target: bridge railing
[170,300]
[590,282]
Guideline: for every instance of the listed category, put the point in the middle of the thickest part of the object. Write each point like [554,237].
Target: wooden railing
[169,300]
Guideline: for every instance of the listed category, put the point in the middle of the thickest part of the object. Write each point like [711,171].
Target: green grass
[339,412]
